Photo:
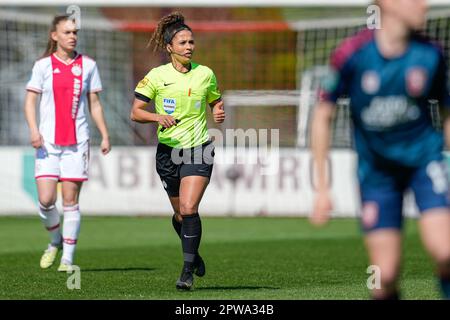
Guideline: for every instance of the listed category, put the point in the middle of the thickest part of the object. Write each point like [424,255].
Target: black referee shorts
[173,164]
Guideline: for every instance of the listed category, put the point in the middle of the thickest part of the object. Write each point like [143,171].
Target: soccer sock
[50,218]
[445,287]
[444,281]
[191,231]
[71,229]
[390,296]
[176,225]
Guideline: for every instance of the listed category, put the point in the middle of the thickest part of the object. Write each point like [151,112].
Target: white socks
[50,218]
[71,229]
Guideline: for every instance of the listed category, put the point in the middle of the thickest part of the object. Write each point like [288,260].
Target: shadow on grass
[236,288]
[117,269]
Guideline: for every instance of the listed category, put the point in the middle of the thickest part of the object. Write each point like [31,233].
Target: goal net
[315,46]
[267,62]
[257,56]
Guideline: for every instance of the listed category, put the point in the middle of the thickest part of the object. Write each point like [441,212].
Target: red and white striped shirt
[64,87]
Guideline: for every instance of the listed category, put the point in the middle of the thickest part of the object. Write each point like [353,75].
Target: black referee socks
[191,233]
[176,225]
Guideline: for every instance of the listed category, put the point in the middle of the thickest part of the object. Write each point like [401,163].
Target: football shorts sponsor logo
[169,105]
[142,83]
[416,79]
[370,82]
[85,163]
[370,214]
[437,173]
[76,70]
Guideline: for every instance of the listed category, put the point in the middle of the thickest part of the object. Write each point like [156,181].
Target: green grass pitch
[246,258]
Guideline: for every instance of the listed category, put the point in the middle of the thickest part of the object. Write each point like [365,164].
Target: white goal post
[204,3]
[266,72]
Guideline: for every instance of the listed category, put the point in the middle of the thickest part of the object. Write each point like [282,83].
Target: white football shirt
[64,87]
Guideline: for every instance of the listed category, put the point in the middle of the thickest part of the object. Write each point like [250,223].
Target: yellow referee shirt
[183,96]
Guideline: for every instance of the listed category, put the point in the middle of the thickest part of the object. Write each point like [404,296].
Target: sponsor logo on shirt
[169,105]
[370,82]
[386,112]
[142,83]
[57,70]
[416,79]
[76,96]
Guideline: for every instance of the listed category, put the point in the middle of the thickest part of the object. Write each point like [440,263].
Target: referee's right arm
[139,114]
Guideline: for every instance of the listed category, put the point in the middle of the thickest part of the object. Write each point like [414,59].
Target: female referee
[68,83]
[391,75]
[181,90]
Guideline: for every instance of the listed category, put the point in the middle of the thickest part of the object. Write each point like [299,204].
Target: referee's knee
[188,208]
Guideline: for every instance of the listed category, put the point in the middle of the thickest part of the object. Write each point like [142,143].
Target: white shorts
[63,163]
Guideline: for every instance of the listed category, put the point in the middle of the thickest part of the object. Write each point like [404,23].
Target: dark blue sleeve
[335,82]
[440,86]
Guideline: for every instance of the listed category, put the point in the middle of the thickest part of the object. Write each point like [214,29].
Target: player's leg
[72,220]
[384,249]
[50,217]
[177,219]
[191,192]
[168,171]
[430,186]
[195,176]
[74,171]
[435,230]
[382,223]
[47,175]
[47,209]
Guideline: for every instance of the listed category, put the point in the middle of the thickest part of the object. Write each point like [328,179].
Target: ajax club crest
[76,70]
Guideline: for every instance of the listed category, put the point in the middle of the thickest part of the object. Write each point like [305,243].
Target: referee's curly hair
[167,27]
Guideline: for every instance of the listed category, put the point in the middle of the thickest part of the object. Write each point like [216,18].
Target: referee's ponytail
[168,26]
